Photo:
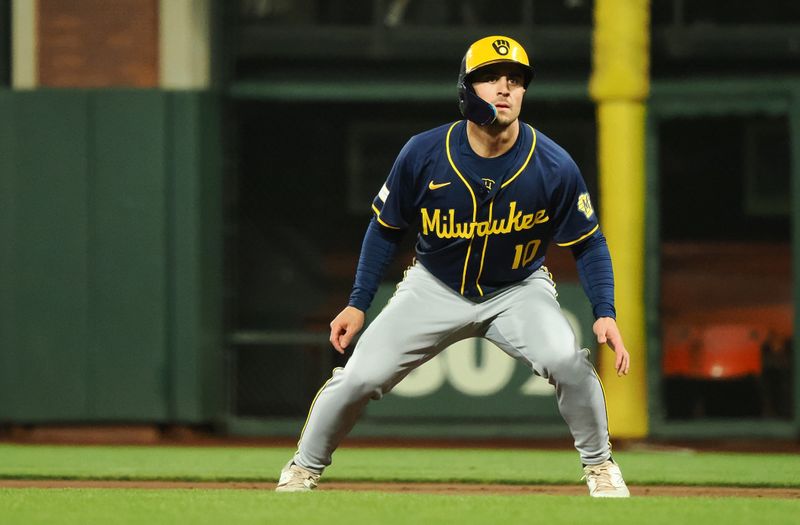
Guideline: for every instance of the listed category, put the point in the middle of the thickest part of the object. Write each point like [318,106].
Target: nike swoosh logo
[433,186]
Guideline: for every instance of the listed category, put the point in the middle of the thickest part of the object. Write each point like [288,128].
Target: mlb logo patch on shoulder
[585,205]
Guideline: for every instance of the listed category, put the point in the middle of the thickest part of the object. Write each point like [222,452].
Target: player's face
[501,85]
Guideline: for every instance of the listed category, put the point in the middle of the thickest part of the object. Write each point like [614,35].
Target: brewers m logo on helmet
[501,46]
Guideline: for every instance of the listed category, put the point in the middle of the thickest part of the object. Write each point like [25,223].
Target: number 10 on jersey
[524,254]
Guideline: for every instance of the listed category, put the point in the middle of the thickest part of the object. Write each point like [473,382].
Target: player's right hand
[345,326]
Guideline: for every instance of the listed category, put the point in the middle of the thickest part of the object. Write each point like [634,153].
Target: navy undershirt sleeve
[377,251]
[596,274]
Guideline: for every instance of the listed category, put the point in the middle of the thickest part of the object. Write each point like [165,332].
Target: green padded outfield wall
[110,256]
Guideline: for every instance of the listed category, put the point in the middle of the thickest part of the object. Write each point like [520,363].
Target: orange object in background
[729,351]
[680,342]
[714,351]
[709,307]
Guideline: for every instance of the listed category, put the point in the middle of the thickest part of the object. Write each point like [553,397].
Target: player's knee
[362,385]
[568,368]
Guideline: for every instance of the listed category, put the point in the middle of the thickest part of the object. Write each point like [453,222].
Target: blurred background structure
[184,185]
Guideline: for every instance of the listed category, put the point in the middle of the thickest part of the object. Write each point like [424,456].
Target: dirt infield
[418,488]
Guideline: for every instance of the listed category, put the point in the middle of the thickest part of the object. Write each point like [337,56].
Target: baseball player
[486,195]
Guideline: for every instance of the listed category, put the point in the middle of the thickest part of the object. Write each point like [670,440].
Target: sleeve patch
[383,193]
[585,205]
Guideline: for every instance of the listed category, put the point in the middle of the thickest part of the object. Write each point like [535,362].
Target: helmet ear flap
[472,106]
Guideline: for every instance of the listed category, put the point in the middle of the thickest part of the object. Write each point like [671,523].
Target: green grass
[351,464]
[153,507]
[74,506]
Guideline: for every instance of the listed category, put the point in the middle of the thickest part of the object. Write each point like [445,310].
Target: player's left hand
[605,328]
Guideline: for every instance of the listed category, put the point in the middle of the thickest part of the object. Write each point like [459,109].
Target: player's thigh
[421,315]
[529,322]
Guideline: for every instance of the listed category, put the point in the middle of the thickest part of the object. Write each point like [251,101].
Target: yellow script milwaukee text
[445,226]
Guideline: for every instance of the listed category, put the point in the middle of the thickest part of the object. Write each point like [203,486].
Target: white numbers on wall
[422,381]
[467,376]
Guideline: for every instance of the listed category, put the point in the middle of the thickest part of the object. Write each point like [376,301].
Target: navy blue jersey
[485,223]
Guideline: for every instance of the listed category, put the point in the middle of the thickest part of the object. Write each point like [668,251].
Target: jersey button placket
[477,246]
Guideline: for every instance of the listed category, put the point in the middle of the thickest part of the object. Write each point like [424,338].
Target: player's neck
[492,140]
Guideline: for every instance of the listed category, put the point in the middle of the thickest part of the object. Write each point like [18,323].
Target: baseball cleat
[295,478]
[605,480]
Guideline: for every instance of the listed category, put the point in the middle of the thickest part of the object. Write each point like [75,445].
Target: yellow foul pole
[620,85]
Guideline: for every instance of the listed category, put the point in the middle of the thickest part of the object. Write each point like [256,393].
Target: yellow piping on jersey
[579,239]
[474,203]
[460,176]
[378,216]
[314,401]
[483,254]
[524,164]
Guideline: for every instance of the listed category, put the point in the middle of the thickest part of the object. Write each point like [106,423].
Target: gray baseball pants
[423,318]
